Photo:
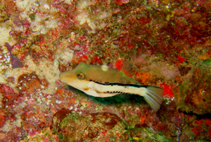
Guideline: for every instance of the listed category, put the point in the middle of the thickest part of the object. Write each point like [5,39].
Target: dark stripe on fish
[120,84]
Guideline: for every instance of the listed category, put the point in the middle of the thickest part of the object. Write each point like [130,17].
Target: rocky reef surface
[164,43]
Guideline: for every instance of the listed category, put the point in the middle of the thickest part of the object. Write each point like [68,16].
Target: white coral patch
[68,2]
[45,69]
[38,27]
[65,55]
[84,4]
[51,24]
[21,4]
[83,18]
[46,6]
[4,34]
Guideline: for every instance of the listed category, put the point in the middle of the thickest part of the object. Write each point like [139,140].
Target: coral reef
[162,43]
[4,15]
[104,127]
[195,91]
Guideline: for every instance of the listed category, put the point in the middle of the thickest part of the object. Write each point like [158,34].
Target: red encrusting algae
[168,92]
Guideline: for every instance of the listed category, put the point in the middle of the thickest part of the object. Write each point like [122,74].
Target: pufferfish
[100,81]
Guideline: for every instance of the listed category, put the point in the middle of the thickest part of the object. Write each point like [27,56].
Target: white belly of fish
[100,90]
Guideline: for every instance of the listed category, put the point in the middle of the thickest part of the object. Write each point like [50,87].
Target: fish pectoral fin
[153,96]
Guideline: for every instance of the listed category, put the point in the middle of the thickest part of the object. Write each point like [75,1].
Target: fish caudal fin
[154,97]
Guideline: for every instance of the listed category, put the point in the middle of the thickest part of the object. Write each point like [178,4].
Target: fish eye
[80,75]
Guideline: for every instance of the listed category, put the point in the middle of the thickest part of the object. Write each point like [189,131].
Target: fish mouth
[62,77]
[67,77]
